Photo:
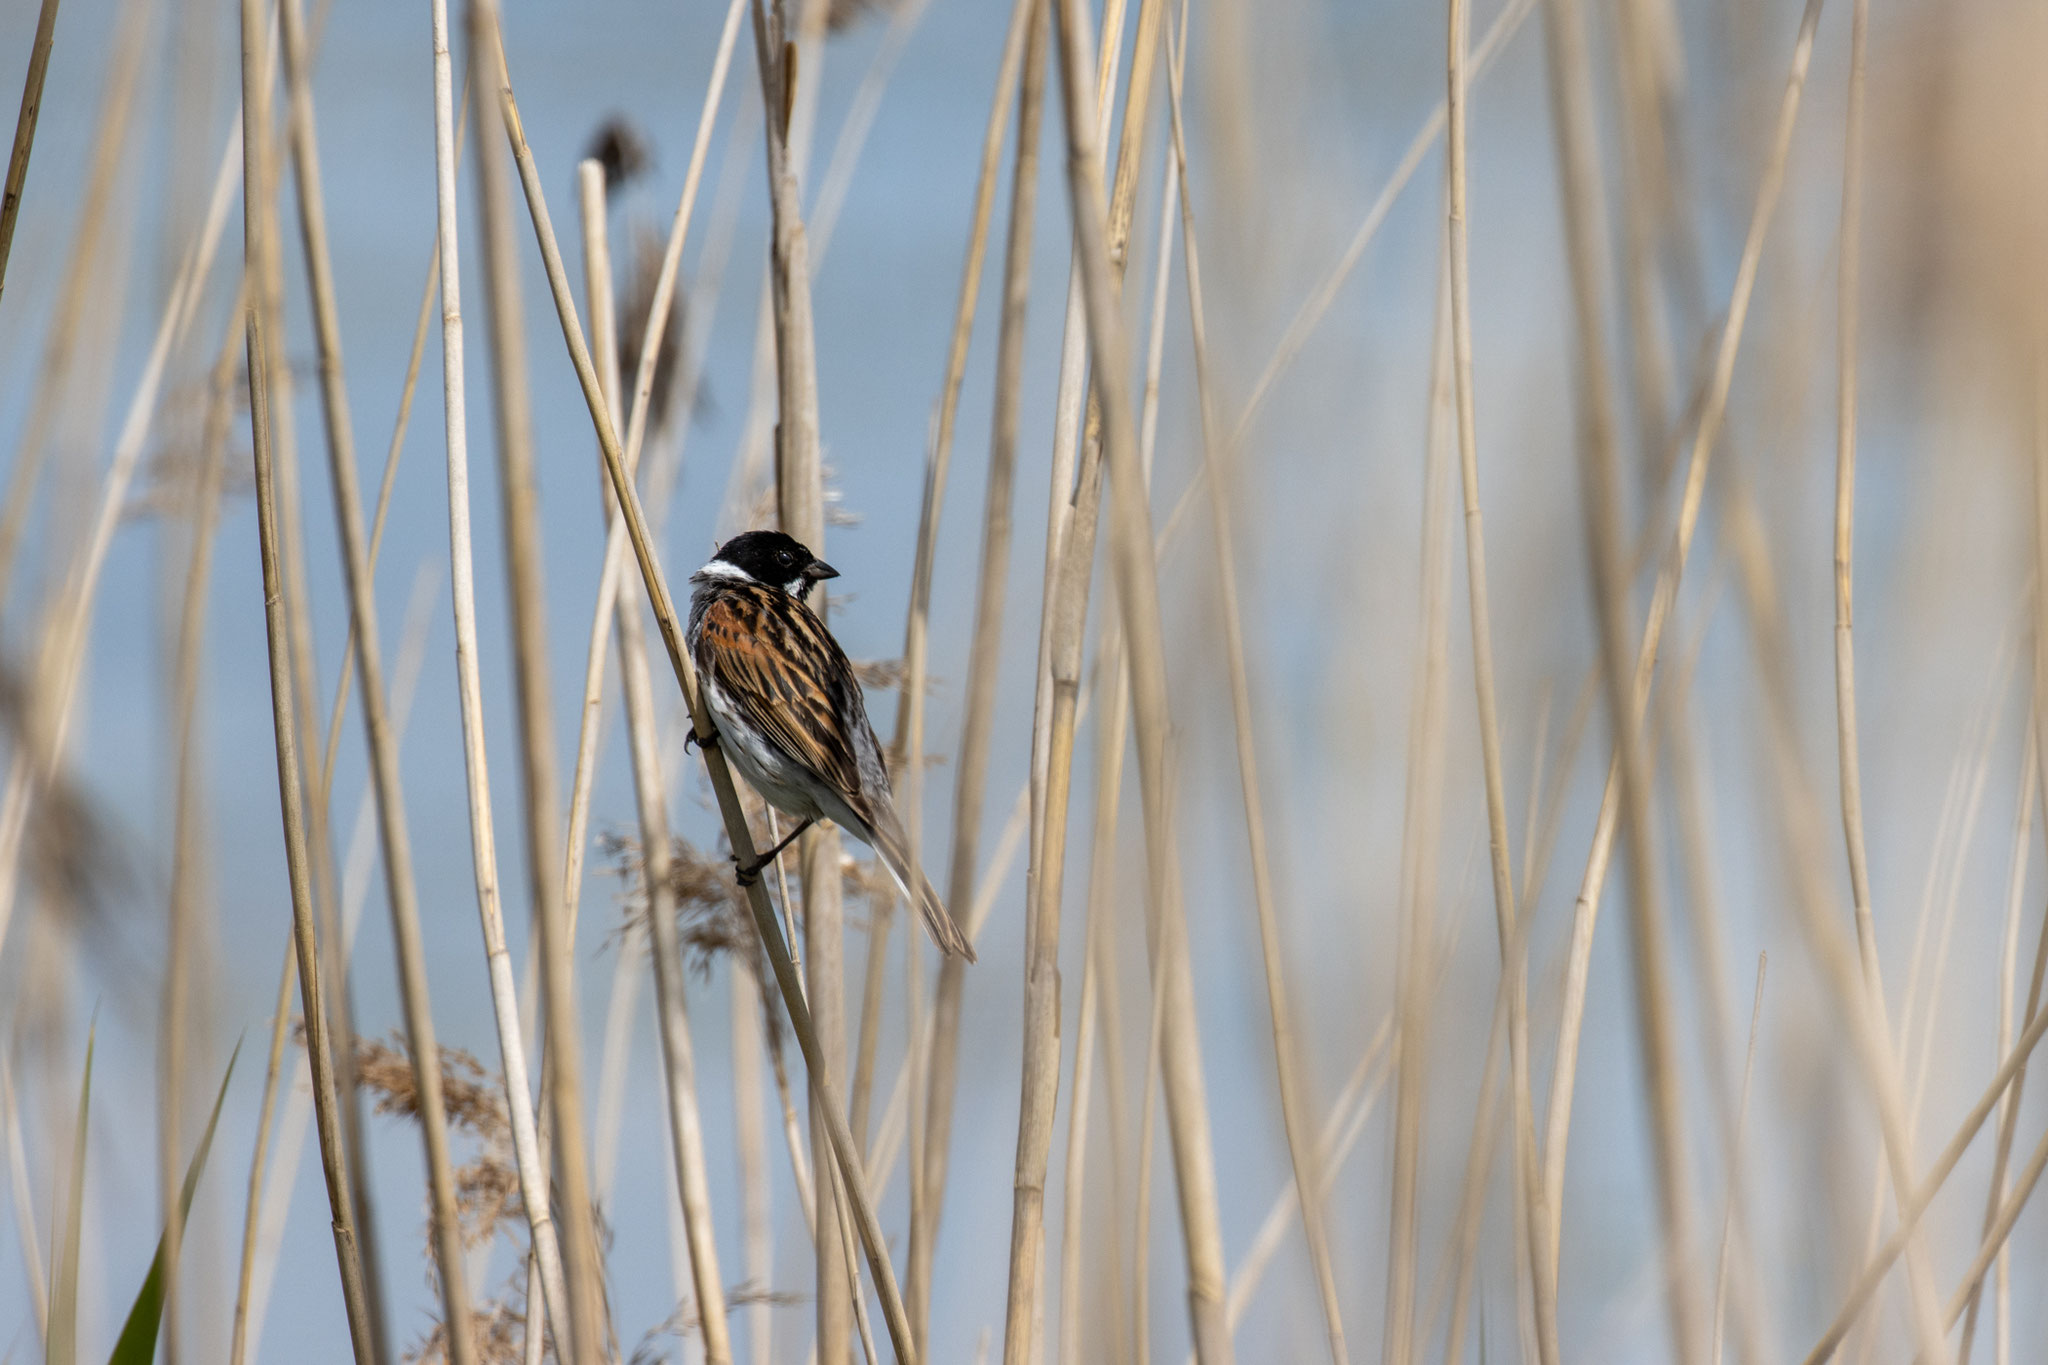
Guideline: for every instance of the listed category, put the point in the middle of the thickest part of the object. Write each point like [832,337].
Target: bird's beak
[819,569]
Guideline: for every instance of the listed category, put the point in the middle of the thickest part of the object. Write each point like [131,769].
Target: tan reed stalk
[1538,1214]
[1421,840]
[1847,285]
[291,1131]
[1756,1012]
[1337,1140]
[188,856]
[927,1191]
[829,1106]
[582,1265]
[405,925]
[25,130]
[1930,1185]
[1862,1013]
[612,575]
[388,480]
[758,1231]
[63,634]
[907,748]
[1873,1048]
[1138,595]
[24,1205]
[1318,304]
[289,778]
[358,551]
[800,511]
[2008,1118]
[1463,1247]
[1063,638]
[84,265]
[280,1021]
[1691,782]
[1584,198]
[1995,1237]
[686,1136]
[830,200]
[1287,1060]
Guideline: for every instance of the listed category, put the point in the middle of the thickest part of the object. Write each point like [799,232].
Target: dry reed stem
[81,271]
[1873,1047]
[405,926]
[843,1148]
[800,511]
[289,777]
[1923,1193]
[357,875]
[1138,595]
[907,747]
[188,858]
[25,130]
[280,1022]
[562,1079]
[1756,1012]
[1287,1061]
[1421,838]
[1063,638]
[24,1205]
[1847,285]
[1538,1214]
[1574,121]
[686,1138]
[977,722]
[1319,302]
[612,574]
[60,649]
[2016,886]
[358,552]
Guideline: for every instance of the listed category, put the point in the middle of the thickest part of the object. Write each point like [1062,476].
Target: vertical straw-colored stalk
[1864,1015]
[358,550]
[1938,1172]
[1421,838]
[1287,1062]
[85,265]
[1067,496]
[1584,201]
[1062,640]
[188,858]
[985,649]
[1537,1214]
[238,1341]
[405,922]
[25,130]
[582,1267]
[907,748]
[1138,597]
[829,1107]
[612,575]
[2010,1106]
[686,1136]
[255,128]
[1847,286]
[800,508]
[1735,1185]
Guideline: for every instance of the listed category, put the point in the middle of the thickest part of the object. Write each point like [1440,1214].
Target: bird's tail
[888,845]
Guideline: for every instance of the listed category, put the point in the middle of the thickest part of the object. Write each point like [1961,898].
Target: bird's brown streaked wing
[775,661]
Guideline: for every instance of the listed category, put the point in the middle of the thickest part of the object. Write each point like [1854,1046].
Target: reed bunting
[789,712]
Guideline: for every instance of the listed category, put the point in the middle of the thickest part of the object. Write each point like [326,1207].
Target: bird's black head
[772,558]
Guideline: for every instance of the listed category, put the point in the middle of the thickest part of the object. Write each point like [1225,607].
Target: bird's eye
[784,558]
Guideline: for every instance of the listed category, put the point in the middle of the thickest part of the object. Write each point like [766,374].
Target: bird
[788,711]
